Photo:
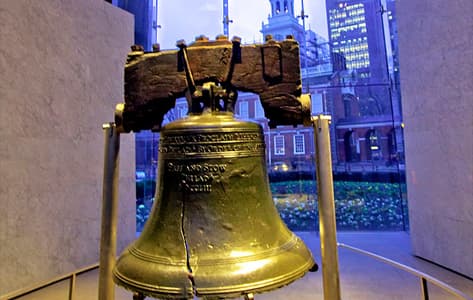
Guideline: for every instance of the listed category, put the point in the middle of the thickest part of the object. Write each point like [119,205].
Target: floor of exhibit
[361,276]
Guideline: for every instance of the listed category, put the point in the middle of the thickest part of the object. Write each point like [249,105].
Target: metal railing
[423,278]
[70,276]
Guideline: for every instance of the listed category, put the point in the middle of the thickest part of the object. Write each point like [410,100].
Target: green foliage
[293,187]
[299,211]
[358,205]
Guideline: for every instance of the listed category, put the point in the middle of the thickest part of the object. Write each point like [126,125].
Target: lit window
[374,146]
[299,144]
[373,141]
[279,145]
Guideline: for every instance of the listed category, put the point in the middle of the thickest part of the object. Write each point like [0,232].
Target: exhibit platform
[362,277]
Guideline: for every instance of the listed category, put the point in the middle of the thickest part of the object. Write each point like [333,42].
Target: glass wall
[352,74]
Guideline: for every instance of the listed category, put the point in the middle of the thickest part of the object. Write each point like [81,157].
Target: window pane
[279,148]
[299,144]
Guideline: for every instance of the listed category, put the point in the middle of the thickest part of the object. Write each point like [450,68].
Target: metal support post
[424,288]
[72,287]
[108,240]
[326,203]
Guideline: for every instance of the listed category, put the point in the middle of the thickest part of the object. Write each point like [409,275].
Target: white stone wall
[436,56]
[61,65]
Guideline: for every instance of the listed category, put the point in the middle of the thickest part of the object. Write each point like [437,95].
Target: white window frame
[301,143]
[279,145]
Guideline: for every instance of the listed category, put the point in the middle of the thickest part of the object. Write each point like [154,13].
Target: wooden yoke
[154,80]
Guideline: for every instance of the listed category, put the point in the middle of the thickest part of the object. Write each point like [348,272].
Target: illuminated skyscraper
[356,31]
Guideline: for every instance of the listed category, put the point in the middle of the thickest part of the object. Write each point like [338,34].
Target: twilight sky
[186,19]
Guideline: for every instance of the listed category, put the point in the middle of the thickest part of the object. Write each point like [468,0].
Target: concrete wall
[436,55]
[61,65]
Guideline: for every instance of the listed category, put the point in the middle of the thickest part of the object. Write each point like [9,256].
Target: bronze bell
[214,230]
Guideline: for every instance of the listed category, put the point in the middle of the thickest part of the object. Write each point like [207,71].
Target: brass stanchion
[326,204]
[108,238]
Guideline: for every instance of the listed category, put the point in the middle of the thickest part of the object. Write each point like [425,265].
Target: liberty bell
[214,231]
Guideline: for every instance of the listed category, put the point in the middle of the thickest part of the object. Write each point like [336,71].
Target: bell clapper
[249,296]
[314,268]
[138,296]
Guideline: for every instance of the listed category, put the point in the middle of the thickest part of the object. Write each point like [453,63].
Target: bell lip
[175,271]
[226,292]
[151,290]
[197,286]
[261,286]
[301,259]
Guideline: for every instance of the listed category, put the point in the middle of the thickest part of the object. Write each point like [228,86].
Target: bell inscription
[196,177]
[231,144]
